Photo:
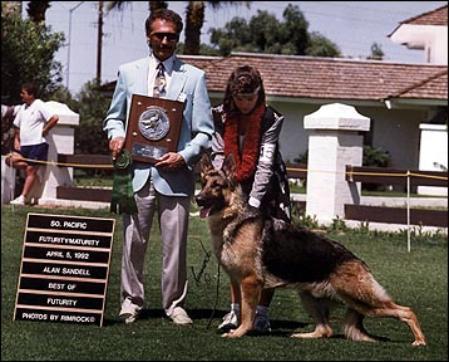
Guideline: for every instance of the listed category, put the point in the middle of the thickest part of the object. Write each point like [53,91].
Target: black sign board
[64,269]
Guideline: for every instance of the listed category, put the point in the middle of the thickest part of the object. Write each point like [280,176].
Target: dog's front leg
[251,289]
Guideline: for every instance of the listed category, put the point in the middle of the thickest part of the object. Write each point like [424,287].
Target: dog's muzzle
[204,204]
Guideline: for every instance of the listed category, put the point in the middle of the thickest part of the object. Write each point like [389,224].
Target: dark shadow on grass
[279,328]
[195,314]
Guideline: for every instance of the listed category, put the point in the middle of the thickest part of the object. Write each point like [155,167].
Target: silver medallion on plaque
[154,123]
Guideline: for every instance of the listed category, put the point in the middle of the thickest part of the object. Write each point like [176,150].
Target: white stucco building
[426,32]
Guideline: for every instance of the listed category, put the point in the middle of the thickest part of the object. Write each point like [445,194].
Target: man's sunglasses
[169,36]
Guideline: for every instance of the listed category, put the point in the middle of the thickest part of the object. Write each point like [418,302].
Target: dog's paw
[419,343]
[227,334]
[233,333]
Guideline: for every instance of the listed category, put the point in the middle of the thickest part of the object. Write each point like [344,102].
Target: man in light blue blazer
[167,186]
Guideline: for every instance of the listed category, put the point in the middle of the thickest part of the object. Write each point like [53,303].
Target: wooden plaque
[154,127]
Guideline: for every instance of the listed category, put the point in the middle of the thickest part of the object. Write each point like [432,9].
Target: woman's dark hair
[244,79]
[31,88]
[165,14]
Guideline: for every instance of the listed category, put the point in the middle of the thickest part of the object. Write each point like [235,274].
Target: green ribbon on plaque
[122,200]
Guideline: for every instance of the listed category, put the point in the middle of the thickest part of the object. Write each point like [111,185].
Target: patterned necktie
[159,82]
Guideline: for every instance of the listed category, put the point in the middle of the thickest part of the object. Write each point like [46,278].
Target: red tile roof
[324,78]
[436,84]
[434,17]
[327,78]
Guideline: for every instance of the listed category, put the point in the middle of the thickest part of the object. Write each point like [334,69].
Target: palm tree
[195,20]
[194,23]
[36,11]
[99,41]
[152,5]
[11,8]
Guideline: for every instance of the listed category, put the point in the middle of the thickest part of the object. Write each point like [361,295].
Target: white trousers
[173,213]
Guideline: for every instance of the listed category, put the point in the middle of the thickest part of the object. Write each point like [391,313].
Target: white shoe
[180,316]
[129,311]
[230,321]
[19,201]
[262,323]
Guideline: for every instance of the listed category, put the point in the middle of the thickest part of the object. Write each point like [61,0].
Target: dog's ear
[229,166]
[205,164]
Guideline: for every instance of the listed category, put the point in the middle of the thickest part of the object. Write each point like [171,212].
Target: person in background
[32,123]
[249,130]
[165,187]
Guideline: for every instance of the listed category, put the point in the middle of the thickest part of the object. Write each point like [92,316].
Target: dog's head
[217,186]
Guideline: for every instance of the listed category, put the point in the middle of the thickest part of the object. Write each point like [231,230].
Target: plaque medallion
[154,127]
[154,123]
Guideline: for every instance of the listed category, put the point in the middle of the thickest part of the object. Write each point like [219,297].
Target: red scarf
[247,160]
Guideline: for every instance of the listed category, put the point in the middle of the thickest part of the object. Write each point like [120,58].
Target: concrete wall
[438,46]
[433,138]
[61,140]
[294,138]
[8,182]
[394,130]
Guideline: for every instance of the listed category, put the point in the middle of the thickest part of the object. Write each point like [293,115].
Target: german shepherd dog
[261,254]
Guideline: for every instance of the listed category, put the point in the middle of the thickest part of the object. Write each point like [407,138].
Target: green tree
[92,109]
[320,46]
[28,51]
[195,20]
[36,11]
[264,33]
[119,5]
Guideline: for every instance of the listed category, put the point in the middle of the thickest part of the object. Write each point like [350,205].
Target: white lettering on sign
[75,225]
[34,316]
[56,286]
[62,302]
[76,271]
[71,287]
[84,256]
[52,270]
[54,254]
[68,240]
[77,318]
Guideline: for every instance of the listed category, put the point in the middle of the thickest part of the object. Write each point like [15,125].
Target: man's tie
[159,82]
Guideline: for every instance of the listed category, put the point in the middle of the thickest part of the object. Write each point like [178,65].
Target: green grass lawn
[417,279]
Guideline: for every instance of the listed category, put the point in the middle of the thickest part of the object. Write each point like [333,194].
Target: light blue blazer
[189,83]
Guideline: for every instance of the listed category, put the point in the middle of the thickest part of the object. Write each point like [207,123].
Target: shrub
[375,157]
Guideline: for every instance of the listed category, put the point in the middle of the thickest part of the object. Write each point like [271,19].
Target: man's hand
[116,145]
[171,161]
[50,124]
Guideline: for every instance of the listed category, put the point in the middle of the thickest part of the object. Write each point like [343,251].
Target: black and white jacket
[268,190]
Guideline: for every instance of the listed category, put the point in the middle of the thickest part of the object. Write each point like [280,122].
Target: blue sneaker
[262,323]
